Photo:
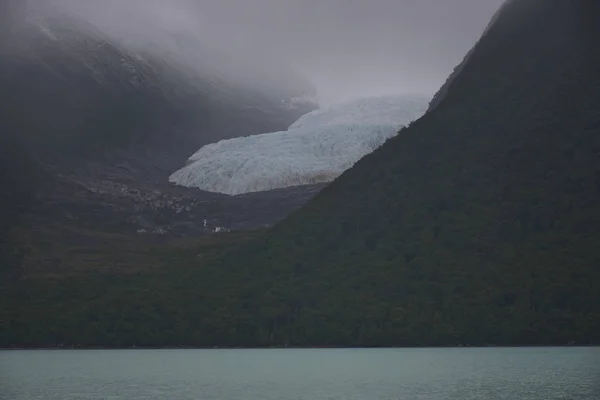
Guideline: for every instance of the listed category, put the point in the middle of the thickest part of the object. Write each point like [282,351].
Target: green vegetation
[117,291]
[479,224]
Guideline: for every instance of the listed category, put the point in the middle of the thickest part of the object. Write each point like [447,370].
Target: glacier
[317,148]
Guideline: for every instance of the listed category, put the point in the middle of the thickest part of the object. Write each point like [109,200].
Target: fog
[350,48]
[346,48]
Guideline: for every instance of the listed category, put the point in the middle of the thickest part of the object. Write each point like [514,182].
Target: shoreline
[514,346]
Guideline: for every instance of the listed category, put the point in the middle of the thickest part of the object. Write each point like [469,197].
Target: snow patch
[49,33]
[317,148]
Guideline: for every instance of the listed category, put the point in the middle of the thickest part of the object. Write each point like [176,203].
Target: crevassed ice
[318,147]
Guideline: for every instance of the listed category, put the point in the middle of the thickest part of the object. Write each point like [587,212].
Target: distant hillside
[70,88]
[72,94]
[477,225]
[92,125]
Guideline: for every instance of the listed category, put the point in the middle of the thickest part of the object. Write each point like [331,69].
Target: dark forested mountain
[478,224]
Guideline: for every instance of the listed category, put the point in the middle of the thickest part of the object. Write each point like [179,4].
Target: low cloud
[347,48]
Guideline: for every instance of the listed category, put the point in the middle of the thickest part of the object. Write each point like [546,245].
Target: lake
[328,374]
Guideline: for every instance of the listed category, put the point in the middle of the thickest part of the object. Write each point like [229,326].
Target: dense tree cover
[479,224]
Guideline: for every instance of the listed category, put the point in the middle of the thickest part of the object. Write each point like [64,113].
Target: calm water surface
[353,374]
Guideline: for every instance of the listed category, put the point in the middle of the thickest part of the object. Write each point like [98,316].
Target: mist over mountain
[351,48]
[348,49]
[96,113]
[117,94]
[68,51]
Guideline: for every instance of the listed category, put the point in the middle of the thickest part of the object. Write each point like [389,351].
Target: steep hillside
[478,224]
[73,90]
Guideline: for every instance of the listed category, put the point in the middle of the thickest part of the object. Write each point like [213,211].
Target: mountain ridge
[91,127]
[476,225]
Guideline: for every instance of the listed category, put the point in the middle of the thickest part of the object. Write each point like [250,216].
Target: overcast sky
[350,48]
[347,48]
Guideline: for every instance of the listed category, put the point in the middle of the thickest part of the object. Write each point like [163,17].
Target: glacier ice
[318,147]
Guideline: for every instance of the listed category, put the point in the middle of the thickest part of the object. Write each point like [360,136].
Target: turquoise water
[331,374]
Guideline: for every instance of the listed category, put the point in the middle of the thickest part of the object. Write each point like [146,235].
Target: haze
[346,48]
[351,48]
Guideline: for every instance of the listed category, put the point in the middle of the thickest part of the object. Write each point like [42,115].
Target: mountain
[316,148]
[93,120]
[477,225]
[92,90]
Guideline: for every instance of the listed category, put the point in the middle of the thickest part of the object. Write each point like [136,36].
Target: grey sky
[347,48]
[350,48]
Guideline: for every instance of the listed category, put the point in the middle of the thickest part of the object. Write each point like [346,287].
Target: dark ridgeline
[479,224]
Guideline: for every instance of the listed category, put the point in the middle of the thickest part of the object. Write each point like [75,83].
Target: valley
[477,224]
